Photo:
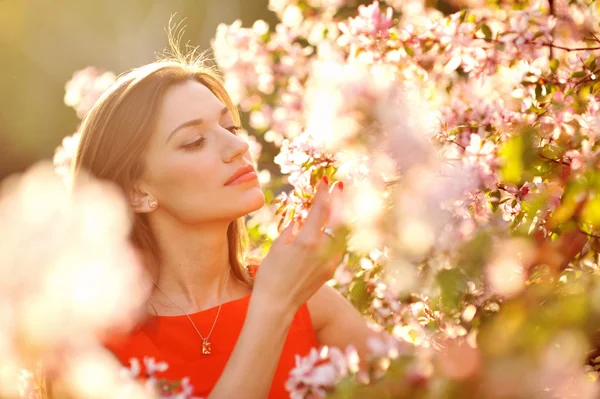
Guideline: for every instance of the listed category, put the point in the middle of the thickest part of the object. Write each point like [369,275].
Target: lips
[241,171]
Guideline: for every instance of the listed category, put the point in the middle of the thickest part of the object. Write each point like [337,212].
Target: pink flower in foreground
[320,371]
[162,388]
[85,87]
[28,389]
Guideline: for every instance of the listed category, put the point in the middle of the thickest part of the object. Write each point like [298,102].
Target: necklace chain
[205,340]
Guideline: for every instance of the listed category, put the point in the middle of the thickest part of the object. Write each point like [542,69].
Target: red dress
[173,339]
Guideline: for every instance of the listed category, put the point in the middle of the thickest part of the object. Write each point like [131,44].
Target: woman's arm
[296,267]
[338,323]
[250,369]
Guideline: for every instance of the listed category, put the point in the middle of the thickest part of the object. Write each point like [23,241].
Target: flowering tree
[468,144]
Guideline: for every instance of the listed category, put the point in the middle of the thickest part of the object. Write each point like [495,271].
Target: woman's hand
[298,264]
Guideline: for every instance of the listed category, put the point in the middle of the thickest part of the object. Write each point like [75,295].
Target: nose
[235,146]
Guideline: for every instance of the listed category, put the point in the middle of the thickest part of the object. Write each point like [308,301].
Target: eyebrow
[193,122]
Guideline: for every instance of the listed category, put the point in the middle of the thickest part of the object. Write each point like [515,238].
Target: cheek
[187,181]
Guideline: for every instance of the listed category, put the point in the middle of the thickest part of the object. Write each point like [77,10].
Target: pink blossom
[65,154]
[319,371]
[85,87]
[370,24]
[27,386]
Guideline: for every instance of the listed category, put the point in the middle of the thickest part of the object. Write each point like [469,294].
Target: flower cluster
[320,371]
[146,373]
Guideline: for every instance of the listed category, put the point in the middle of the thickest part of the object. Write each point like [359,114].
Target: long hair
[115,135]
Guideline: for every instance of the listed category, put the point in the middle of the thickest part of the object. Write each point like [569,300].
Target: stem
[561,161]
[587,78]
[551,11]
[551,45]
[589,234]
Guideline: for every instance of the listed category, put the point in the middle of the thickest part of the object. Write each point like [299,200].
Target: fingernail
[326,180]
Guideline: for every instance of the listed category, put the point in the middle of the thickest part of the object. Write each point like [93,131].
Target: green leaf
[359,295]
[517,155]
[591,212]
[452,285]
[511,152]
[554,64]
[591,63]
[494,201]
[538,91]
[487,32]
[579,74]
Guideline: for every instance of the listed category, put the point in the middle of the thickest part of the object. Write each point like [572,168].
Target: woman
[166,134]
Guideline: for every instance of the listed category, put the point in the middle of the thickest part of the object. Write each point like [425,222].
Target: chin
[252,201]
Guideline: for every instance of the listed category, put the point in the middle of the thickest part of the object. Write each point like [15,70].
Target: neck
[194,267]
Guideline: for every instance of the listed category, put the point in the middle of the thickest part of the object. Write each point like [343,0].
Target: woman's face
[193,151]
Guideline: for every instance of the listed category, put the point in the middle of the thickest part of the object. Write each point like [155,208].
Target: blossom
[85,87]
[370,24]
[64,156]
[54,293]
[320,370]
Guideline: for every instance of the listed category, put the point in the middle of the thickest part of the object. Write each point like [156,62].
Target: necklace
[206,347]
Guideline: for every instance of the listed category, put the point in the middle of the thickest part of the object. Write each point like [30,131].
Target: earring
[153,203]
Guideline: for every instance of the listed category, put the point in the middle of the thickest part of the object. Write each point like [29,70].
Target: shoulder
[324,305]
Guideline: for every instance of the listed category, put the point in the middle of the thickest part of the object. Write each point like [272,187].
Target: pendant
[206,347]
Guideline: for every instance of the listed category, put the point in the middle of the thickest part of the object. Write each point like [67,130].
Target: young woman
[166,134]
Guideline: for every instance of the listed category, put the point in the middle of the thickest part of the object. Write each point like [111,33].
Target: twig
[552,45]
[567,48]
[587,77]
[552,13]
[588,234]
[561,161]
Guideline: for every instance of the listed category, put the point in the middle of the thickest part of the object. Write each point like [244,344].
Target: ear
[141,201]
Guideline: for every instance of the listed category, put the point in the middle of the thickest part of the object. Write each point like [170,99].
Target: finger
[337,205]
[318,213]
[288,233]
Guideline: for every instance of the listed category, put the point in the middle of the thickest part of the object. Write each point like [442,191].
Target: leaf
[518,155]
[538,91]
[590,63]
[494,197]
[591,212]
[511,152]
[359,295]
[487,32]
[579,74]
[554,64]
[518,219]
[452,284]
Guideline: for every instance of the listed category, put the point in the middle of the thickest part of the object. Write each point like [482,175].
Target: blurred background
[44,41]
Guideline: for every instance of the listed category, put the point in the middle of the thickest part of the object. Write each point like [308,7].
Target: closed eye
[196,144]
